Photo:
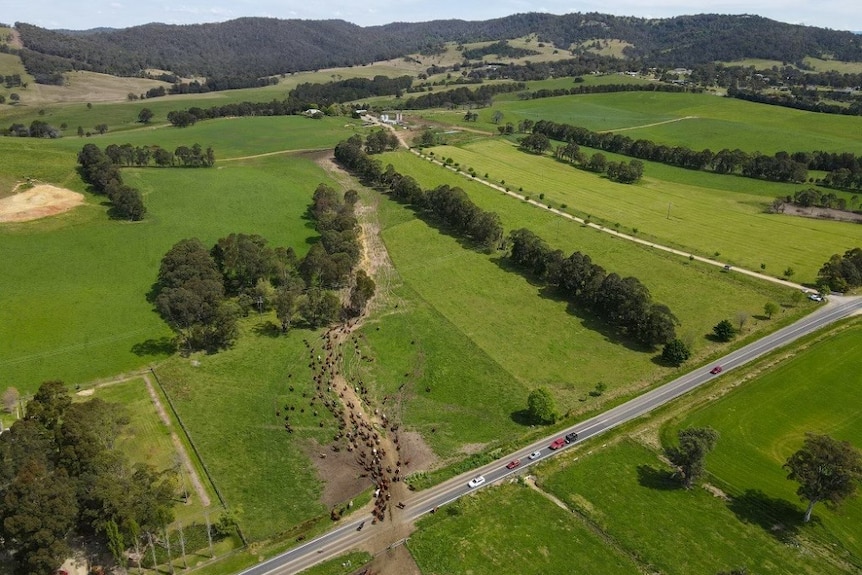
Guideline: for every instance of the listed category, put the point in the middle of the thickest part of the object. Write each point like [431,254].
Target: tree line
[444,204]
[62,476]
[501,49]
[842,272]
[103,175]
[810,197]
[607,89]
[321,95]
[143,156]
[810,101]
[623,303]
[781,167]
[201,292]
[461,96]
[622,172]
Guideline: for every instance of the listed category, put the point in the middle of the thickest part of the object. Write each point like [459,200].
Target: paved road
[348,535]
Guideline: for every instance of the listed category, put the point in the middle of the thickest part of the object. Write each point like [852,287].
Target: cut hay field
[73,300]
[697,121]
[525,330]
[512,529]
[689,210]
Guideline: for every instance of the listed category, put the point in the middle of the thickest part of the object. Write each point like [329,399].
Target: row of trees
[842,273]
[812,197]
[607,89]
[812,103]
[141,156]
[623,303]
[321,95]
[447,205]
[62,475]
[97,169]
[622,172]
[201,293]
[461,96]
[781,167]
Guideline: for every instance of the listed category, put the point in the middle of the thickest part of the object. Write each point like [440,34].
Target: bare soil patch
[342,477]
[40,201]
[821,213]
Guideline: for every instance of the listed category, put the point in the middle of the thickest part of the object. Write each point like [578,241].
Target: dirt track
[40,201]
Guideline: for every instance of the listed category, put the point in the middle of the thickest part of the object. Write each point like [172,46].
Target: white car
[815,297]
[477,481]
[535,454]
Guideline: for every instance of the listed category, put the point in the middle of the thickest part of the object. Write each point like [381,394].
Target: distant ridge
[269,46]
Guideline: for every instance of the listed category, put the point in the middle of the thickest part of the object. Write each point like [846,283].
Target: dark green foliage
[541,406]
[536,143]
[360,293]
[675,353]
[145,115]
[826,469]
[624,303]
[99,169]
[501,49]
[320,307]
[689,457]
[61,476]
[724,330]
[841,273]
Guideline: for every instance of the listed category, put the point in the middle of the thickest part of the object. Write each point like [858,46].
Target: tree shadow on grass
[161,346]
[268,329]
[778,517]
[523,417]
[660,479]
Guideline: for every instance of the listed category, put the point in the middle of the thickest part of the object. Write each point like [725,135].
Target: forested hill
[268,46]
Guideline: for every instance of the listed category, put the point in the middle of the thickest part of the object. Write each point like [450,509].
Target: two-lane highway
[349,535]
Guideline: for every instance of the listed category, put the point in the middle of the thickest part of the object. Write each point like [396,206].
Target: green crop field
[512,529]
[764,422]
[623,491]
[74,296]
[695,120]
[693,213]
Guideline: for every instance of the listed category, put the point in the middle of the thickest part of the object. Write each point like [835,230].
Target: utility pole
[668,210]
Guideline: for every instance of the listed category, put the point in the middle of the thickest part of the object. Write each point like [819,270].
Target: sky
[82,15]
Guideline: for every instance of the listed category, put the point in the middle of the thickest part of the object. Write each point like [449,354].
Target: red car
[513,464]
[558,443]
[715,370]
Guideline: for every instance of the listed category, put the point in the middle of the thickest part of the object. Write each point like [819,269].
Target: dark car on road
[572,437]
[716,370]
[513,464]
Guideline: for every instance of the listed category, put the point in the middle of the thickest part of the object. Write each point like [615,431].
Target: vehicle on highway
[558,443]
[535,454]
[513,464]
[572,437]
[477,481]
[715,370]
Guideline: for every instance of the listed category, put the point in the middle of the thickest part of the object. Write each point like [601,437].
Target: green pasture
[512,529]
[821,65]
[438,378]
[624,491]
[73,299]
[697,121]
[526,329]
[763,422]
[233,404]
[692,212]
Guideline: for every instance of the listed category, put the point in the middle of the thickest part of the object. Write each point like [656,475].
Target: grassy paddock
[695,120]
[506,529]
[74,296]
[763,423]
[698,215]
[671,530]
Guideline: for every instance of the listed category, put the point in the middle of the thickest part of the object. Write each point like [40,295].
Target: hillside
[260,47]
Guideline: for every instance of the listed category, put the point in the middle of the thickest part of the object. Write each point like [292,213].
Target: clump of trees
[623,303]
[143,156]
[689,456]
[62,475]
[675,352]
[201,292]
[724,331]
[97,169]
[842,273]
[541,407]
[826,469]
